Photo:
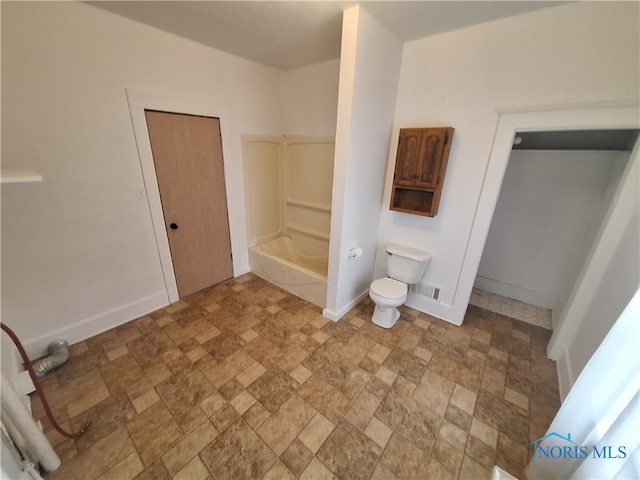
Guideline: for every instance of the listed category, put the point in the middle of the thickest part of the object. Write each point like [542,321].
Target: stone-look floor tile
[517,398]
[324,398]
[145,400]
[435,370]
[243,402]
[238,453]
[386,375]
[184,390]
[125,469]
[316,470]
[482,453]
[481,336]
[292,359]
[362,410]
[493,381]
[187,448]
[382,473]
[279,472]
[104,418]
[87,400]
[212,404]
[349,453]
[379,353]
[98,458]
[316,432]
[117,352]
[403,458]
[434,392]
[409,341]
[356,348]
[484,432]
[378,387]
[301,374]
[151,376]
[153,432]
[472,470]
[405,364]
[256,415]
[369,365]
[448,455]
[224,417]
[148,348]
[273,388]
[230,389]
[223,345]
[296,457]
[378,432]
[194,470]
[220,373]
[279,430]
[417,423]
[444,366]
[453,434]
[423,353]
[82,364]
[503,416]
[404,386]
[458,417]
[155,471]
[464,399]
[512,456]
[251,374]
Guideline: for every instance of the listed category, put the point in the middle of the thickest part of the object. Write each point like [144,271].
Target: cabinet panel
[421,163]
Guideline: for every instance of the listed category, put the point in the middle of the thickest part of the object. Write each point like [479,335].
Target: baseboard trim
[92,326]
[335,316]
[565,375]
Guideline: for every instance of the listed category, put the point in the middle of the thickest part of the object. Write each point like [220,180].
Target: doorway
[189,166]
[556,191]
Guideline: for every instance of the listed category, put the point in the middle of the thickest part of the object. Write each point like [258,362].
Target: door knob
[173,226]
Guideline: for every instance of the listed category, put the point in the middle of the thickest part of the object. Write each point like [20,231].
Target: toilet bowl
[387,294]
[405,266]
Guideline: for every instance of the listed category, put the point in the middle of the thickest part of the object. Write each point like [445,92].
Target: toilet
[405,266]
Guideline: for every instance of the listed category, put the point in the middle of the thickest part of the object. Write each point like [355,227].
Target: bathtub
[296,265]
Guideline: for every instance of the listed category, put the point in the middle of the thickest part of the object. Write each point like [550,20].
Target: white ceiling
[291,34]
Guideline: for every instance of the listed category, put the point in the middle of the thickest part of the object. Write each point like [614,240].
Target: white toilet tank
[406,264]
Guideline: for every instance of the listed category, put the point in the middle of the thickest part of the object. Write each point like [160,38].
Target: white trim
[93,326]
[335,316]
[568,118]
[139,100]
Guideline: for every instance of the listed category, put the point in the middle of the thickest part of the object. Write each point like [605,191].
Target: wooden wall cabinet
[421,162]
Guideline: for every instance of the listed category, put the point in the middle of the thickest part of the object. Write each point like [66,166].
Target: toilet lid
[388,287]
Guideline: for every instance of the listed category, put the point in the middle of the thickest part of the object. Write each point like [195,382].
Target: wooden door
[187,153]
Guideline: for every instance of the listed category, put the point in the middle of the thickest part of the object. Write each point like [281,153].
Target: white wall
[554,56]
[607,282]
[78,250]
[311,99]
[550,209]
[369,72]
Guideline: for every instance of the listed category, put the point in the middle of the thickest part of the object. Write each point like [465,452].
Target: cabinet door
[409,157]
[432,154]
[421,152]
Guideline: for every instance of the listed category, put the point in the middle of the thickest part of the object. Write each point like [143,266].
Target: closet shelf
[19,175]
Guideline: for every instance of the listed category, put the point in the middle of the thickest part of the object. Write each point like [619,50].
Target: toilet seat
[389,288]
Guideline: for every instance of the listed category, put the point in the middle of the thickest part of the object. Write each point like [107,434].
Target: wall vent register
[421,162]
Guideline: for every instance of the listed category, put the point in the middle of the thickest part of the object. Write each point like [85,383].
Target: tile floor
[512,308]
[244,380]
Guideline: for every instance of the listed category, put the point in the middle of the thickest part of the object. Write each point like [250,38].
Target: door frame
[141,100]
